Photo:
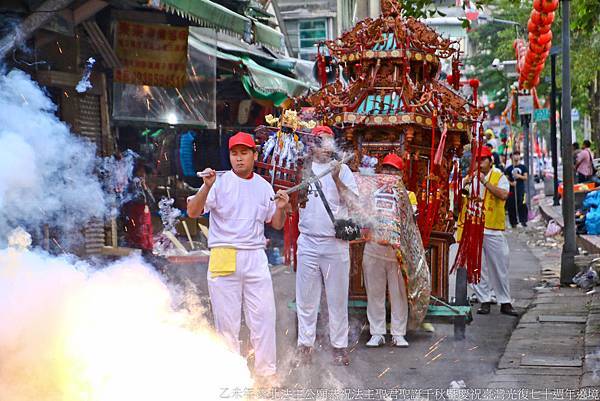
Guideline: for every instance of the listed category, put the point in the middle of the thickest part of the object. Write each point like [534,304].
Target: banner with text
[151,54]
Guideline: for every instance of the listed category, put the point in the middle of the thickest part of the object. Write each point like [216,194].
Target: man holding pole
[323,258]
[240,204]
[493,189]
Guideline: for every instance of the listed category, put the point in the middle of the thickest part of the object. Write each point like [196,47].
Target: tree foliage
[495,41]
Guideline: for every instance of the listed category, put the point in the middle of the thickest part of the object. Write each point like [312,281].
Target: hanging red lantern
[533,37]
[539,49]
[545,6]
[545,38]
[539,18]
[543,28]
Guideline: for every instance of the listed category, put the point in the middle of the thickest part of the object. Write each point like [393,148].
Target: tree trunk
[595,108]
[33,22]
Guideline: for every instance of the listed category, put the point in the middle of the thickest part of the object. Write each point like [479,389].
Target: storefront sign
[151,54]
[541,114]
[525,104]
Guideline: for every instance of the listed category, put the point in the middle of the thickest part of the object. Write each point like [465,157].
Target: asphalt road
[432,360]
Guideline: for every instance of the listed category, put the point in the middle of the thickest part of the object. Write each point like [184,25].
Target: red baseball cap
[392,159]
[242,138]
[322,130]
[484,152]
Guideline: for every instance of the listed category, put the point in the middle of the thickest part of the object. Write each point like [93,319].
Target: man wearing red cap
[493,189]
[322,258]
[380,266]
[240,204]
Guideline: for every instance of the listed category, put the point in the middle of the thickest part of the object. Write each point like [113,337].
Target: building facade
[307,22]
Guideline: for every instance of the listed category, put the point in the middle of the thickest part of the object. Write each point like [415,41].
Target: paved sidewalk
[556,344]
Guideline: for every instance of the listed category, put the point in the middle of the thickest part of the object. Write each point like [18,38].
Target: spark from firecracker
[383,373]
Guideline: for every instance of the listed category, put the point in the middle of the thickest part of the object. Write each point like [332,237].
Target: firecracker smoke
[46,173]
[70,332]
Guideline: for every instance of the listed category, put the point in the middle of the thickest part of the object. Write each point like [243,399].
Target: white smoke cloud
[46,173]
[72,333]
[75,332]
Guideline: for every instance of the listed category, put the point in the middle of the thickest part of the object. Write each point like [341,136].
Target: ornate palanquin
[381,87]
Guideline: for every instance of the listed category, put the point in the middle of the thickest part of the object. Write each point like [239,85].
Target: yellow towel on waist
[222,262]
[412,198]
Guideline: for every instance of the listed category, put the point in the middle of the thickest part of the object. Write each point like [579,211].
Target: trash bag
[587,279]
[592,200]
[592,221]
[552,229]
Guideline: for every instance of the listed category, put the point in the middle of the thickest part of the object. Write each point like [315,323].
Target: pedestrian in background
[584,163]
[515,204]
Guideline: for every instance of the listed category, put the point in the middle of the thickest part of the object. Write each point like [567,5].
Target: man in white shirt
[322,258]
[493,189]
[240,204]
[380,266]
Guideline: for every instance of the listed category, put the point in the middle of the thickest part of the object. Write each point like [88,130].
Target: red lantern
[541,29]
[474,83]
[533,37]
[545,6]
[539,49]
[535,48]
[542,18]
[545,38]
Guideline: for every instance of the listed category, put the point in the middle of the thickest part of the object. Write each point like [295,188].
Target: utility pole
[567,260]
[553,141]
[525,123]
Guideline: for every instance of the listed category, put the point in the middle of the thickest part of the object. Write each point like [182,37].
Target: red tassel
[471,243]
[440,150]
[290,237]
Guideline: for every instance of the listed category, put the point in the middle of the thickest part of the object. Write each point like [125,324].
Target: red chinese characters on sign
[151,54]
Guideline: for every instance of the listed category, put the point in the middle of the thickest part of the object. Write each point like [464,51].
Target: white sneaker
[399,341]
[376,341]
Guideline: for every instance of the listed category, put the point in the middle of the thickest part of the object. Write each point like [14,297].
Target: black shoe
[340,357]
[524,225]
[484,309]
[507,309]
[303,356]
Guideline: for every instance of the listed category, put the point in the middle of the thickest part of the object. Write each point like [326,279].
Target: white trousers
[494,270]
[322,260]
[250,288]
[379,268]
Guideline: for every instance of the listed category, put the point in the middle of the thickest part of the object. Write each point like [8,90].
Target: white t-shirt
[239,209]
[502,184]
[314,220]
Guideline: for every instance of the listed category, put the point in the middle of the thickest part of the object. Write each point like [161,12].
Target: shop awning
[269,81]
[259,81]
[211,14]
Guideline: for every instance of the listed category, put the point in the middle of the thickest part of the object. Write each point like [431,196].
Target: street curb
[589,243]
[548,213]
[591,360]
